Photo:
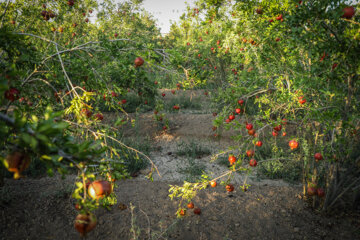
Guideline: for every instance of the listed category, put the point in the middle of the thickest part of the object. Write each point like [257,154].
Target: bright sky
[166,10]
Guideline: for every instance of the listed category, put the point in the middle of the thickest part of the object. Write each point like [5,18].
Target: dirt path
[38,210]
[43,208]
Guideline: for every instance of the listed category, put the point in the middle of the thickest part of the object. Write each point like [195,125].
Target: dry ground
[43,208]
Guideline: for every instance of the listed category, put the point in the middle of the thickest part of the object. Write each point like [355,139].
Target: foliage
[278,63]
[60,72]
[286,60]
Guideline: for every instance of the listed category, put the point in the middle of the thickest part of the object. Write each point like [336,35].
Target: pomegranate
[84,223]
[138,62]
[99,189]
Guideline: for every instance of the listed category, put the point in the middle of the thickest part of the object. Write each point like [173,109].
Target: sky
[166,10]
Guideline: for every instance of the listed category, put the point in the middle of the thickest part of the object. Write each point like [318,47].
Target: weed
[192,170]
[192,150]
[223,160]
[281,169]
[183,102]
[132,160]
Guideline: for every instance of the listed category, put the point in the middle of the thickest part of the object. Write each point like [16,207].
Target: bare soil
[43,208]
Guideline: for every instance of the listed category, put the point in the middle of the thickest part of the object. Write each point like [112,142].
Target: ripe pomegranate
[86,112]
[232,159]
[238,110]
[123,101]
[311,191]
[253,163]
[279,17]
[84,223]
[12,94]
[284,134]
[249,126]
[173,91]
[278,128]
[250,153]
[77,206]
[293,144]
[70,3]
[182,212]
[251,132]
[229,188]
[302,100]
[259,143]
[334,66]
[138,62]
[190,205]
[99,116]
[213,183]
[241,102]
[163,94]
[349,12]
[99,189]
[275,133]
[197,211]
[231,117]
[17,162]
[318,156]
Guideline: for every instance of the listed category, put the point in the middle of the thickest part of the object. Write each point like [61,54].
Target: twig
[122,144]
[46,82]
[148,220]
[63,68]
[343,192]
[36,36]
